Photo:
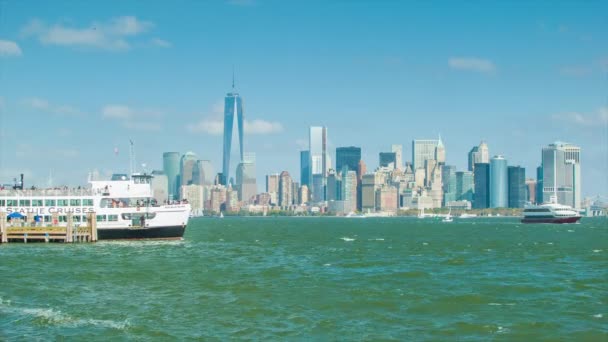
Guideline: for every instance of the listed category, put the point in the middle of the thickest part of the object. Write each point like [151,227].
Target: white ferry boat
[550,213]
[124,208]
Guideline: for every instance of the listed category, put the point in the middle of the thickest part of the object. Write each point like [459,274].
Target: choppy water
[316,279]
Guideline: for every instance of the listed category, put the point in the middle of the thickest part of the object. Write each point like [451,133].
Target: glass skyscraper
[561,174]
[171,166]
[423,150]
[499,189]
[233,105]
[517,186]
[448,179]
[348,156]
[464,186]
[305,168]
[318,161]
[481,177]
[387,158]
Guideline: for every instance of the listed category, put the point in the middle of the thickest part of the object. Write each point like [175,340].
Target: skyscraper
[499,189]
[448,178]
[203,173]
[318,161]
[531,190]
[233,105]
[186,168]
[440,152]
[386,159]
[481,177]
[272,187]
[561,174]
[478,154]
[246,179]
[398,150]
[171,165]
[333,189]
[159,186]
[349,190]
[539,185]
[423,150]
[465,186]
[305,167]
[349,156]
[517,186]
[285,189]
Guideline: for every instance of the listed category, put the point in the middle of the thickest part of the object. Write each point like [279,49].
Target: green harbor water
[316,279]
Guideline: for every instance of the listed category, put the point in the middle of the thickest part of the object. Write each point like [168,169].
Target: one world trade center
[233,105]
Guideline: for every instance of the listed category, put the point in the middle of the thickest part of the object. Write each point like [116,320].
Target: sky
[78,79]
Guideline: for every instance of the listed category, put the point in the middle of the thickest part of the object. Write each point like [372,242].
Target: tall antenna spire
[233,77]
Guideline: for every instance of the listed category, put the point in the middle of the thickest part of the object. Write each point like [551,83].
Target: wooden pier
[71,233]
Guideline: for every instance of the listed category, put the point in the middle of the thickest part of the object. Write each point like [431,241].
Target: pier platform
[18,231]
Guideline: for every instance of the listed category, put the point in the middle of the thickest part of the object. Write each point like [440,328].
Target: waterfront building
[233,106]
[517,186]
[318,161]
[419,177]
[423,150]
[318,188]
[171,166]
[481,177]
[499,189]
[246,183]
[187,163]
[561,173]
[272,187]
[388,159]
[305,167]
[448,178]
[334,185]
[349,157]
[160,186]
[349,189]
[465,186]
[263,199]
[295,190]
[285,190]
[531,190]
[232,199]
[386,198]
[368,190]
[398,150]
[218,199]
[303,195]
[194,194]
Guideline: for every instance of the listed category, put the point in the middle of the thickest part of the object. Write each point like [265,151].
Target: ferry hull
[572,219]
[172,232]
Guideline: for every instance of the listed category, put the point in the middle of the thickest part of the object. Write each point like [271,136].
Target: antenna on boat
[131,158]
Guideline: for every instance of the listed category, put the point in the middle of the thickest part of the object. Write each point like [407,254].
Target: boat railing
[50,192]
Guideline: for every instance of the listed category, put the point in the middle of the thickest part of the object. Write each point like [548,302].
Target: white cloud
[134,119]
[44,105]
[215,126]
[208,126]
[117,112]
[110,35]
[262,127]
[161,43]
[9,48]
[599,118]
[472,64]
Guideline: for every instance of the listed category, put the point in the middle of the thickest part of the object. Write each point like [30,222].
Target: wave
[347,239]
[51,316]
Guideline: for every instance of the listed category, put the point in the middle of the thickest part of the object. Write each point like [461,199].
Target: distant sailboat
[221,214]
[448,217]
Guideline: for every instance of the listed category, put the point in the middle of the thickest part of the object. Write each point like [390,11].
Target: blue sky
[78,79]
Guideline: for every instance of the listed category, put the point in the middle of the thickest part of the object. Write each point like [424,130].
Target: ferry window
[63,218]
[24,203]
[112,217]
[87,202]
[11,203]
[76,218]
[37,203]
[2,203]
[47,218]
[49,203]
[101,218]
[62,202]
[75,202]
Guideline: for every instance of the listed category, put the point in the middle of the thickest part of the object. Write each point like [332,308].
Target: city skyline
[169,101]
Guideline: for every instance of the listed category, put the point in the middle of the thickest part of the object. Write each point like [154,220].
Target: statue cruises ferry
[124,208]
